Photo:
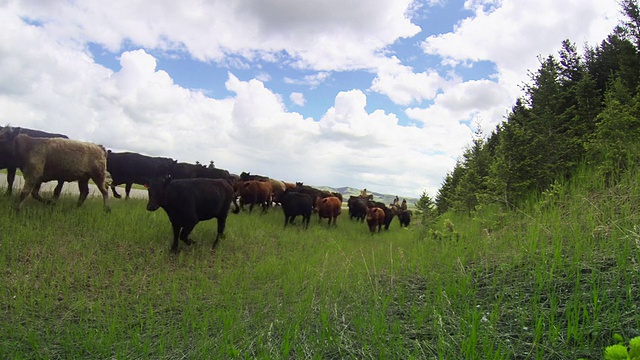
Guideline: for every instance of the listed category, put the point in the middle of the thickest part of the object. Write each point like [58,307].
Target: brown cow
[329,207]
[375,217]
[254,192]
[9,161]
[46,159]
[278,188]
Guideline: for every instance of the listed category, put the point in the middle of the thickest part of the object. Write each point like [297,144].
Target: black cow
[185,170]
[309,190]
[214,173]
[10,162]
[294,204]
[357,207]
[405,217]
[132,168]
[189,201]
[247,176]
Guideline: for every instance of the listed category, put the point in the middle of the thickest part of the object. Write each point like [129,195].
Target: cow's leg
[11,176]
[267,204]
[83,188]
[26,190]
[58,190]
[127,190]
[115,193]
[305,220]
[222,221]
[235,202]
[35,193]
[176,233]
[186,230]
[101,184]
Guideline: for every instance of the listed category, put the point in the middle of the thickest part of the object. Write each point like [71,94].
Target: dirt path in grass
[69,188]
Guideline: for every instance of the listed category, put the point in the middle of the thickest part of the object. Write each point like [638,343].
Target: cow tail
[108,180]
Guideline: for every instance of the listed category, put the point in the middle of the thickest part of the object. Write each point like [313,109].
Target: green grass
[553,281]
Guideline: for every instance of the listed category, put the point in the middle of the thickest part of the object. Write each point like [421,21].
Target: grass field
[553,281]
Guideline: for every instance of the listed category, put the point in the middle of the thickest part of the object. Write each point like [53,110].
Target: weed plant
[552,280]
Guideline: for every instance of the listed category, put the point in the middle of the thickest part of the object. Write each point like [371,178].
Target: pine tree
[517,159]
[631,26]
[447,198]
[615,55]
[574,107]
[428,208]
[473,182]
[617,131]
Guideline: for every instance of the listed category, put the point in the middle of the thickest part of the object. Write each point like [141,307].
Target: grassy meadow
[554,280]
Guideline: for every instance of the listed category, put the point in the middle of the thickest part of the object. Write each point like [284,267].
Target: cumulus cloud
[404,87]
[140,108]
[512,34]
[297,98]
[50,80]
[452,115]
[318,34]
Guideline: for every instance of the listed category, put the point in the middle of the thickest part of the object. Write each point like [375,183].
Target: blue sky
[382,94]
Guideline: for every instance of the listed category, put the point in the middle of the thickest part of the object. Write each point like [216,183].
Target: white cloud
[373,148]
[140,108]
[474,95]
[312,80]
[513,33]
[297,98]
[318,34]
[49,80]
[264,77]
[405,87]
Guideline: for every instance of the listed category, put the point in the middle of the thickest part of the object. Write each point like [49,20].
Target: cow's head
[9,133]
[7,137]
[157,188]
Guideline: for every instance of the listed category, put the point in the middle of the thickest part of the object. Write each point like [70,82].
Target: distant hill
[347,191]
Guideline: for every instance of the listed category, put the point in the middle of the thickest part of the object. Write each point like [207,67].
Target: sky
[378,94]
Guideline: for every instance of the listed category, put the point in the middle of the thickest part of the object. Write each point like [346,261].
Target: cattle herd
[188,193]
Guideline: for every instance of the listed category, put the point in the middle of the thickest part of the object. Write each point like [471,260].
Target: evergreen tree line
[577,109]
